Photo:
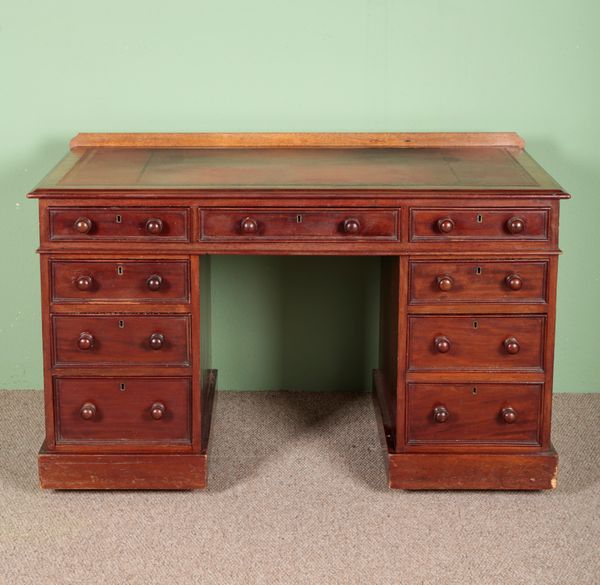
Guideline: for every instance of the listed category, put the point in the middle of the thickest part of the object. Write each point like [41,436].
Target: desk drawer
[340,224]
[476,343]
[474,413]
[145,224]
[120,280]
[136,340]
[486,281]
[117,410]
[438,224]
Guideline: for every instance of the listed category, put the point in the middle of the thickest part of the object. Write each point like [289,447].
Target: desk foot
[472,471]
[116,471]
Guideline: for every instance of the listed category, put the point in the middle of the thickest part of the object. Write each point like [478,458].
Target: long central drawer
[338,224]
[123,339]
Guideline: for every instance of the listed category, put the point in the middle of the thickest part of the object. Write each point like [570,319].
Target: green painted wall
[276,65]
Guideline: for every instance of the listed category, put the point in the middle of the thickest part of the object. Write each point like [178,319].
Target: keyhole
[474,391]
[120,270]
[475,324]
[478,270]
[479,218]
[122,387]
[121,324]
[118,219]
[298,219]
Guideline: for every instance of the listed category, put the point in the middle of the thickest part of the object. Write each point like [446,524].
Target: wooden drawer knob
[84,282]
[249,225]
[440,414]
[445,225]
[154,282]
[88,411]
[511,345]
[83,225]
[154,226]
[514,282]
[515,225]
[509,415]
[351,226]
[442,344]
[157,410]
[445,283]
[85,341]
[156,341]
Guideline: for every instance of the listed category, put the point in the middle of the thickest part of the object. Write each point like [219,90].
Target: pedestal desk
[466,226]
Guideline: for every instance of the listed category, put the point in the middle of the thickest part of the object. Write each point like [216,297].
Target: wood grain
[298,140]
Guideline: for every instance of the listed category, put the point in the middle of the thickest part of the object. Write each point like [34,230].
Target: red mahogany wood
[120,281]
[347,224]
[475,342]
[489,281]
[467,225]
[475,413]
[473,471]
[480,224]
[123,339]
[119,223]
[122,471]
[123,410]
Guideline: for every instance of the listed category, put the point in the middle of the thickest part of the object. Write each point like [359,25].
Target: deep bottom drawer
[474,413]
[114,410]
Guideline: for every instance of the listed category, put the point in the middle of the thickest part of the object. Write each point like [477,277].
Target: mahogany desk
[467,228]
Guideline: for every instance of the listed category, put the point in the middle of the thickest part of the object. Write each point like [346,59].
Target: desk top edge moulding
[466,225]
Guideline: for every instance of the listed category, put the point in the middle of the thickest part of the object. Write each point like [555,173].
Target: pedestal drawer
[476,343]
[120,280]
[438,224]
[474,413]
[488,281]
[123,339]
[338,224]
[160,224]
[113,410]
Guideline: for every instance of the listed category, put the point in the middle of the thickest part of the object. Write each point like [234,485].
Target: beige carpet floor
[298,495]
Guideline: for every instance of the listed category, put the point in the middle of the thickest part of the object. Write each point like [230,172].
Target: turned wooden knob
[442,344]
[445,283]
[509,415]
[157,410]
[156,340]
[84,282]
[249,225]
[440,414]
[445,225]
[515,225]
[83,225]
[511,345]
[154,226]
[88,411]
[85,341]
[514,282]
[351,226]
[154,282]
